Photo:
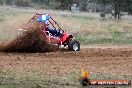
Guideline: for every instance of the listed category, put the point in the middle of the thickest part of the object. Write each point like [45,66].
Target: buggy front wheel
[74,45]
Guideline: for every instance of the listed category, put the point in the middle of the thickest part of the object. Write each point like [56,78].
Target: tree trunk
[117,8]
[116,12]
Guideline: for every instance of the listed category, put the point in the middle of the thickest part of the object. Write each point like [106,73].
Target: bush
[8,2]
[54,5]
[41,7]
[1,2]
[130,10]
[102,15]
[22,3]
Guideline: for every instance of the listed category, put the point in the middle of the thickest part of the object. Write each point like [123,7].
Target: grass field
[36,79]
[88,29]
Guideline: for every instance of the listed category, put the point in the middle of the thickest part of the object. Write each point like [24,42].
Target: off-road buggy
[56,35]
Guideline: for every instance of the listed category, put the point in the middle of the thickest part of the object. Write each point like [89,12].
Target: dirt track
[112,59]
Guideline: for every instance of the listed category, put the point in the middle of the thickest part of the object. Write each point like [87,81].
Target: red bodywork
[60,39]
[54,39]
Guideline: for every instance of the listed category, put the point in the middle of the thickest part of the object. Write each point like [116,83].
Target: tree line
[117,5]
[51,4]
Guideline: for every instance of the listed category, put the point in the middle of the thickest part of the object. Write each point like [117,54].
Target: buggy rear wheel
[74,45]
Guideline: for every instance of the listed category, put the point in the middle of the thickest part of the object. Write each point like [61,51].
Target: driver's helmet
[58,30]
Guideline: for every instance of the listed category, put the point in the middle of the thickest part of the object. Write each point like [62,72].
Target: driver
[45,20]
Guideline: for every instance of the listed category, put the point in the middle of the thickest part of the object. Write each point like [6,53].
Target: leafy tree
[83,4]
[22,3]
[129,7]
[118,6]
[1,2]
[8,2]
[66,4]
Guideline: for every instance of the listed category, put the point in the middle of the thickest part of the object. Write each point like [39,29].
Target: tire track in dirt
[112,60]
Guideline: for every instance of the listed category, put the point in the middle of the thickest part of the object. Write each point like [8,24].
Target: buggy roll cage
[37,14]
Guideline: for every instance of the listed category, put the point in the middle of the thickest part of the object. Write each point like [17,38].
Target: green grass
[78,17]
[33,79]
[36,79]
[4,13]
[2,16]
[17,86]
[87,29]
[108,38]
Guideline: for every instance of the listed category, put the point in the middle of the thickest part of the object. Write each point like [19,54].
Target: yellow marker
[83,72]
